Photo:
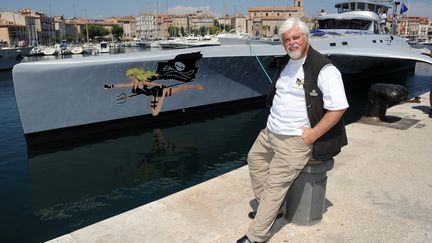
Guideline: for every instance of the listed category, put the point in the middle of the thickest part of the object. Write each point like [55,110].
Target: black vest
[329,144]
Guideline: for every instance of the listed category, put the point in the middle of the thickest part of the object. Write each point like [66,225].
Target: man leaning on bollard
[307,100]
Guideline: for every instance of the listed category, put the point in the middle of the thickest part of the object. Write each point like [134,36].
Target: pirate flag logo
[182,68]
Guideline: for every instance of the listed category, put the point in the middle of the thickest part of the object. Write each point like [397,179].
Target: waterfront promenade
[379,191]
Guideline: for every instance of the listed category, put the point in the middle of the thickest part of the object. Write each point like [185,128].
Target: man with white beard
[307,100]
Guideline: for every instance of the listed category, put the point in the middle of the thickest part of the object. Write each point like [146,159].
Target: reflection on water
[86,183]
[421,82]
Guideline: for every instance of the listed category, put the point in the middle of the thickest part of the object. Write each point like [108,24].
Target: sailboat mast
[394,20]
[87,31]
[76,30]
[407,20]
[154,22]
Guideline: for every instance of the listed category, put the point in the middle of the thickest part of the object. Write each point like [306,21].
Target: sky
[99,9]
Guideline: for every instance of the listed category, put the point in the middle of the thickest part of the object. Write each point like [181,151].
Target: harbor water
[52,191]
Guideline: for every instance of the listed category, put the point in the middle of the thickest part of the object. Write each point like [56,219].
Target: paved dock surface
[379,191]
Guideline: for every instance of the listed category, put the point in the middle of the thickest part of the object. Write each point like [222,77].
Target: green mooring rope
[259,61]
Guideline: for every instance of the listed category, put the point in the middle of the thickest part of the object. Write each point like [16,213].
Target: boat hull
[72,94]
[245,41]
[11,56]
[58,95]
[356,67]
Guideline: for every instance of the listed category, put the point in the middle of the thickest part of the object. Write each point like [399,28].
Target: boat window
[353,24]
[352,6]
[344,7]
[376,29]
[361,6]
[371,7]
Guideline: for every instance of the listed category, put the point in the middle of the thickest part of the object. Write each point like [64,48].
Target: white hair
[291,22]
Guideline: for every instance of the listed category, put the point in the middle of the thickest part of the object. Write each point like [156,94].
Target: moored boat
[10,56]
[352,40]
[103,47]
[72,93]
[234,37]
[36,51]
[49,50]
[77,49]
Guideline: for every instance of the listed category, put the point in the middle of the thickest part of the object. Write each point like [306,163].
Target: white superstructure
[352,40]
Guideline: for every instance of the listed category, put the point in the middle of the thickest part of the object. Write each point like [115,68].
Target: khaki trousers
[274,162]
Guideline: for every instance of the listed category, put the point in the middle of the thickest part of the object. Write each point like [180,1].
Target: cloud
[179,10]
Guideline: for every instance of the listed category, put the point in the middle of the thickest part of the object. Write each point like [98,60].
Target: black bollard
[382,96]
[306,196]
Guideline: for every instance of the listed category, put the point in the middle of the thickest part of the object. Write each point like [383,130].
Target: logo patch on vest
[299,82]
[313,93]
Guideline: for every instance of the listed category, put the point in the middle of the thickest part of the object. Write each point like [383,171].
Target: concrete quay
[379,191]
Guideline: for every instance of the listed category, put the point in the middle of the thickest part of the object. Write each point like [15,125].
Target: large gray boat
[70,94]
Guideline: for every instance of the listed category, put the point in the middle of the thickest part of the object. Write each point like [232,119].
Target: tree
[117,31]
[95,31]
[174,31]
[265,28]
[171,31]
[182,31]
[213,30]
[202,31]
[276,30]
[226,27]
[195,31]
[69,38]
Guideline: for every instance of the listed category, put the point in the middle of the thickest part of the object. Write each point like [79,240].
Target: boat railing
[334,33]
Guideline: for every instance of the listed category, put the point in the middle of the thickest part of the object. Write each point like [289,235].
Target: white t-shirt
[383,18]
[288,113]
